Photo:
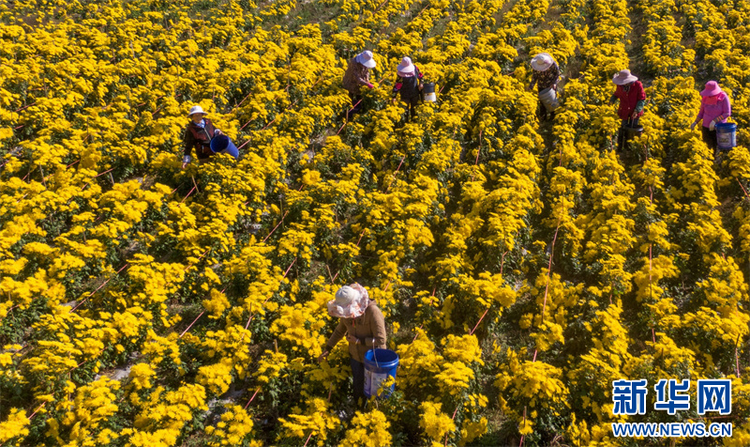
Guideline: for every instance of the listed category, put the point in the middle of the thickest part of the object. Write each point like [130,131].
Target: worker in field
[408,84]
[198,134]
[362,322]
[632,101]
[357,76]
[715,108]
[545,74]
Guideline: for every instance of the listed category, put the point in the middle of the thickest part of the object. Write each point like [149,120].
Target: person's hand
[712,125]
[184,165]
[217,132]
[692,126]
[554,87]
[323,356]
[352,339]
[369,85]
[634,115]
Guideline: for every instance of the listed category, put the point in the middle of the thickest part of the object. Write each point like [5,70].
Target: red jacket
[199,138]
[629,99]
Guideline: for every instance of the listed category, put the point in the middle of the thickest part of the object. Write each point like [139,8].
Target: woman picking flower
[545,74]
[632,101]
[408,84]
[357,76]
[715,108]
[198,134]
[363,323]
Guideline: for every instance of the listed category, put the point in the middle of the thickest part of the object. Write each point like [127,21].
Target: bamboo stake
[277,226]
[99,288]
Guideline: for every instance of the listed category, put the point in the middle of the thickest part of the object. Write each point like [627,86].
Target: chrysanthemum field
[522,267]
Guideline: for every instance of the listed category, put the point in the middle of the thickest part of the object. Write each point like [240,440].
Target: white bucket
[373,381]
[430,97]
[548,97]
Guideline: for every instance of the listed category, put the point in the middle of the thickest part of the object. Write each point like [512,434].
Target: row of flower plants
[522,267]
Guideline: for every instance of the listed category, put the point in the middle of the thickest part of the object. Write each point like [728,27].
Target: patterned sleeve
[363,74]
[534,78]
[397,85]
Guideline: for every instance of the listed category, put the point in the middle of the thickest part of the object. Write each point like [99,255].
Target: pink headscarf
[351,302]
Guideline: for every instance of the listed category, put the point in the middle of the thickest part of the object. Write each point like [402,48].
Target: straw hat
[196,109]
[542,61]
[406,67]
[365,58]
[624,77]
[350,302]
[712,89]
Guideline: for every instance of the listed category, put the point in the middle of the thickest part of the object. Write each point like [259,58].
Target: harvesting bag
[548,97]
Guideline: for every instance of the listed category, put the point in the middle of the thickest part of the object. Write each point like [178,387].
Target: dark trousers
[412,106]
[542,113]
[358,372]
[709,137]
[356,104]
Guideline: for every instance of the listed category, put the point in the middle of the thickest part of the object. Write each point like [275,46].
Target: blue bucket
[726,136]
[221,144]
[376,372]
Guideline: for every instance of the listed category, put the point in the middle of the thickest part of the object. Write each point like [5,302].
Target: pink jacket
[713,107]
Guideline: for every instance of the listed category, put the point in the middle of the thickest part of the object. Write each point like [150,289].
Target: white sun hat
[350,302]
[542,61]
[365,58]
[624,77]
[196,109]
[405,67]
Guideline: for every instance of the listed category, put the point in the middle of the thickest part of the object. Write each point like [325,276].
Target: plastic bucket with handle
[428,92]
[631,130]
[222,144]
[726,136]
[379,364]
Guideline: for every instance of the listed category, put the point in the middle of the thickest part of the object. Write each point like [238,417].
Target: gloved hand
[323,356]
[369,85]
[692,126]
[217,132]
[712,125]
